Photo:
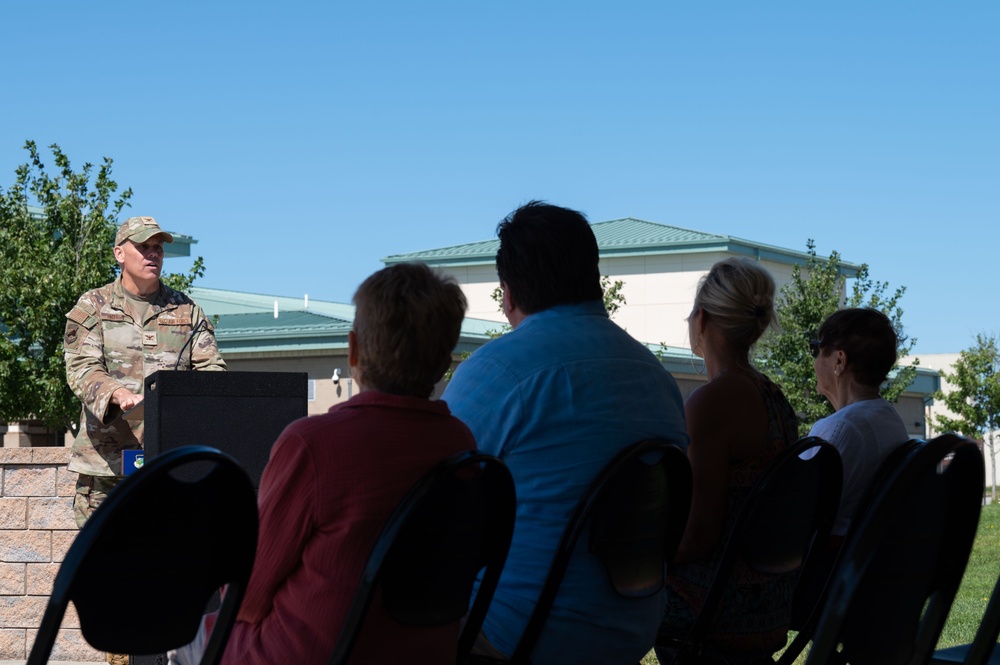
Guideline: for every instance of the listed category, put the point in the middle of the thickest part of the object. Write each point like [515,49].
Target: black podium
[240,413]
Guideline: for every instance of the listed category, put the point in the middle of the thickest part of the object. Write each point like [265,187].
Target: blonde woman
[738,422]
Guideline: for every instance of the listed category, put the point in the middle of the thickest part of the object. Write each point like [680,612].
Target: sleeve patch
[82,317]
[73,335]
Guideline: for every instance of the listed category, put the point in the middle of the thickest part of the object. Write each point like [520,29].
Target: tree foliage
[975,400]
[813,293]
[179,281]
[614,299]
[49,256]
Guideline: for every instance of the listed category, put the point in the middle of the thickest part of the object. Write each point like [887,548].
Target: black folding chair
[899,572]
[189,517]
[791,508]
[813,586]
[636,509]
[455,524]
[982,649]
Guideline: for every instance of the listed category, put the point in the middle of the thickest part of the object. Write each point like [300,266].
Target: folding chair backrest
[889,466]
[791,507]
[901,567]
[454,524]
[636,509]
[812,587]
[638,517]
[792,504]
[145,565]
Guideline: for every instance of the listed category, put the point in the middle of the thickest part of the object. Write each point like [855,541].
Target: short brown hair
[867,338]
[406,323]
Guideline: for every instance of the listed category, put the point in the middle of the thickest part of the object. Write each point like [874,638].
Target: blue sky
[302,142]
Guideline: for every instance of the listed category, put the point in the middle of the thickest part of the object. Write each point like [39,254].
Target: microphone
[201,324]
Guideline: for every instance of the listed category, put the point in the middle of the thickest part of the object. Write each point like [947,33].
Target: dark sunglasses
[816,344]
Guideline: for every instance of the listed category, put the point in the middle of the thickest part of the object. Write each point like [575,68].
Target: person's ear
[352,348]
[509,304]
[700,320]
[839,361]
[119,253]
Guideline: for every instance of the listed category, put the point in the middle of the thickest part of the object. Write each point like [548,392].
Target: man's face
[141,262]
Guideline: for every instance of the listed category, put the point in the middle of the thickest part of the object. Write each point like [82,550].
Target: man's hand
[125,398]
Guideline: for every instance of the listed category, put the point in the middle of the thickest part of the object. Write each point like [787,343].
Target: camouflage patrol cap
[140,229]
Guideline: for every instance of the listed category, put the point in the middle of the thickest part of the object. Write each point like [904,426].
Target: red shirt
[329,486]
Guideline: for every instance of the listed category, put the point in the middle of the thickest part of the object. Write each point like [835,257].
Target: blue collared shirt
[556,398]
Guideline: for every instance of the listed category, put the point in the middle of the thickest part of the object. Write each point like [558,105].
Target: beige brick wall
[36,530]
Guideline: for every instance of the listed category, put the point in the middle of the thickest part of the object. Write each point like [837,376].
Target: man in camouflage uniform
[115,337]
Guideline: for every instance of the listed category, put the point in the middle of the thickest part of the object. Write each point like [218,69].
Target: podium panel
[240,413]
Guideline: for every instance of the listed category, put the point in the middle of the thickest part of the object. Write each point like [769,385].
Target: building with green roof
[658,265]
[283,334]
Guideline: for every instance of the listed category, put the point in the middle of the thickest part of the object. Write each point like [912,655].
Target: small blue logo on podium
[132,461]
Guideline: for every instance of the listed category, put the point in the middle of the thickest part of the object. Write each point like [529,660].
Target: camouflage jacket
[107,349]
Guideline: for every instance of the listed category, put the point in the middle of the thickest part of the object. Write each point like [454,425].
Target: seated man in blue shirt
[556,398]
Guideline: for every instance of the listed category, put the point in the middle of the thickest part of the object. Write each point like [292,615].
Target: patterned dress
[755,607]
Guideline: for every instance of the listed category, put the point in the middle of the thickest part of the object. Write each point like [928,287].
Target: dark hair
[868,339]
[548,256]
[406,323]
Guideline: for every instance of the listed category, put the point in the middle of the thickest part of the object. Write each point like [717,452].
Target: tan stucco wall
[658,291]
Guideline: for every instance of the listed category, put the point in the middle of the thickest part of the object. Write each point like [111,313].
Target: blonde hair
[737,294]
[406,323]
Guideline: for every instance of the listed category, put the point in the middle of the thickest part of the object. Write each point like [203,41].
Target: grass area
[974,593]
[977,584]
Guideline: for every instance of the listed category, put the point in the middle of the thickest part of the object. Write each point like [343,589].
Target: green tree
[614,299]
[975,401]
[179,281]
[49,256]
[813,293]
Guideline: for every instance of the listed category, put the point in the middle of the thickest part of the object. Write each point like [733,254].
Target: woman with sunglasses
[853,354]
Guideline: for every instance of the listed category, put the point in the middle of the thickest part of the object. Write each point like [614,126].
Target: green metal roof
[247,323]
[221,301]
[625,237]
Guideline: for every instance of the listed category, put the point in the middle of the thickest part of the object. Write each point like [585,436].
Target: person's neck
[143,290]
[720,361]
[515,316]
[855,392]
